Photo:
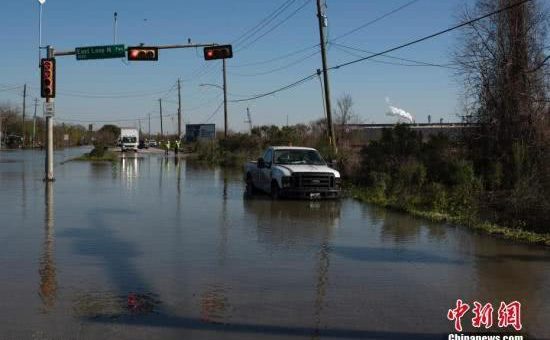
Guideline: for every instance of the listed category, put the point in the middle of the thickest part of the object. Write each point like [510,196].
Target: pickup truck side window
[268,155]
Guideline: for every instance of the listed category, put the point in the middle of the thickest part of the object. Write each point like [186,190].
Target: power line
[375,20]
[262,23]
[286,87]
[276,25]
[469,22]
[415,62]
[213,113]
[206,68]
[284,56]
[107,96]
[295,62]
[309,77]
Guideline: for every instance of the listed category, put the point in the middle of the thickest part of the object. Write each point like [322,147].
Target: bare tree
[506,81]
[344,113]
[505,77]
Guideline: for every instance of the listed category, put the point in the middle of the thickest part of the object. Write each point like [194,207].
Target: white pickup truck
[287,171]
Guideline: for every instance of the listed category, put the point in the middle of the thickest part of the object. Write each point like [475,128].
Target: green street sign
[100,52]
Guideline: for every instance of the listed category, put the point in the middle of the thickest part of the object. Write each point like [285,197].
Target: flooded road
[151,248]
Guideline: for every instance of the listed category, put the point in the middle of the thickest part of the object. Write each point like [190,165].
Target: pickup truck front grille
[312,180]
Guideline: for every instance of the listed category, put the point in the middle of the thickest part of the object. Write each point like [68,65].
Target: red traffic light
[142,53]
[218,52]
[47,78]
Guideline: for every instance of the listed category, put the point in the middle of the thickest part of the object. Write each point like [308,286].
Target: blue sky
[84,87]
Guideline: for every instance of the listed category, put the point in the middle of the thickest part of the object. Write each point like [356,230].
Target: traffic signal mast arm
[162,47]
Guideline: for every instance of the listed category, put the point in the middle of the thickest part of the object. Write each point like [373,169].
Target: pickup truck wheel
[275,194]
[250,188]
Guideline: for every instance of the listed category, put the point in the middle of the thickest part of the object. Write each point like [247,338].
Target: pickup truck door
[265,173]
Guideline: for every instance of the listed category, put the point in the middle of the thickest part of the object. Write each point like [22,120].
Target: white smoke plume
[401,114]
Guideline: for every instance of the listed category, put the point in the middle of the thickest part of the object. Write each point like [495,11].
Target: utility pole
[49,128]
[322,24]
[224,100]
[34,122]
[115,27]
[179,109]
[149,126]
[160,107]
[249,118]
[24,110]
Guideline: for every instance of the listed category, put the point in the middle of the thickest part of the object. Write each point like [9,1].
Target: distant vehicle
[143,144]
[286,171]
[129,138]
[152,143]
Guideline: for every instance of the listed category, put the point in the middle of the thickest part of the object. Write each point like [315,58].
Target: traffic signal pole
[49,177]
[49,173]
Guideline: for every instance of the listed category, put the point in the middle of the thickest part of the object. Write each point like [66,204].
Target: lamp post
[41,2]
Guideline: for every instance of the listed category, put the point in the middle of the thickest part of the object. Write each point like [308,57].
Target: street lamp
[213,85]
[41,2]
[223,88]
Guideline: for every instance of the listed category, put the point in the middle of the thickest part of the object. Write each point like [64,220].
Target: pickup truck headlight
[286,181]
[338,182]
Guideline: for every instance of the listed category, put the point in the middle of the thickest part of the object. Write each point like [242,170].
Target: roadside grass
[371,196]
[98,154]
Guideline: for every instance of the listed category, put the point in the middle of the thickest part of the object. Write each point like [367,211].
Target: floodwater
[151,248]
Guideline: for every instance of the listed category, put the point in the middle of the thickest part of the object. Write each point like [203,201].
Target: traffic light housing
[142,53]
[218,52]
[47,78]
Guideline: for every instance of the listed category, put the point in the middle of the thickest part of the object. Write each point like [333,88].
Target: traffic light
[47,78]
[218,52]
[143,53]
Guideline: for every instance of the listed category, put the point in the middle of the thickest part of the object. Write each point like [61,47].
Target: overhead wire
[213,113]
[375,20]
[276,25]
[351,62]
[416,63]
[295,62]
[263,23]
[469,22]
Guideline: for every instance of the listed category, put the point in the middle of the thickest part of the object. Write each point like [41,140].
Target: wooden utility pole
[224,100]
[160,108]
[34,123]
[322,25]
[179,108]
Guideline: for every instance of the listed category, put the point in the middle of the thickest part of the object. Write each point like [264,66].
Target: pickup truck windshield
[310,157]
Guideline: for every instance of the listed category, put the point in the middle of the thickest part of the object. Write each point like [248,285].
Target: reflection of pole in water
[223,224]
[322,282]
[48,283]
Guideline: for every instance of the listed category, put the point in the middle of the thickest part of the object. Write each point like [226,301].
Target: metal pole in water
[49,139]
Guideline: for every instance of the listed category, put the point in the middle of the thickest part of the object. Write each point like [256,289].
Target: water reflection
[47,270]
[299,224]
[400,228]
[292,223]
[214,305]
[129,170]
